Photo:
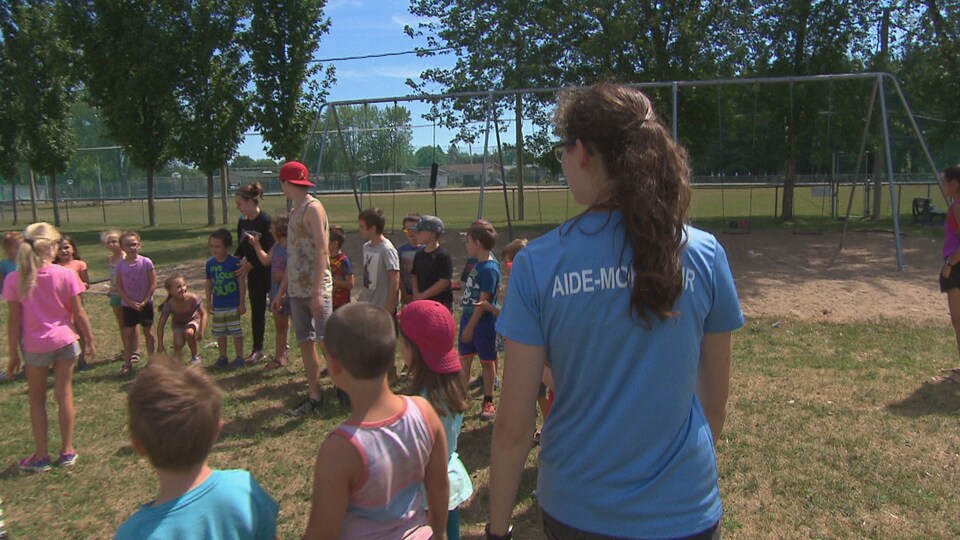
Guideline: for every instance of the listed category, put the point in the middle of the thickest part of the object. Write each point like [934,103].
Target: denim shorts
[305,326]
[46,359]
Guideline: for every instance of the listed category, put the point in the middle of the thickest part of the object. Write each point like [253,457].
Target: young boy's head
[481,236]
[361,338]
[372,221]
[174,414]
[410,222]
[337,238]
[429,229]
[220,241]
[11,244]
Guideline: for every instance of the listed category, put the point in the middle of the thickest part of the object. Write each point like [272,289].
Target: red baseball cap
[429,325]
[295,173]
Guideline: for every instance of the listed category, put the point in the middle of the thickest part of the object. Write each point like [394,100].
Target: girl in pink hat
[427,334]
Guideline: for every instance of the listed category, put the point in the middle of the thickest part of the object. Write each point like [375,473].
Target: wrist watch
[491,536]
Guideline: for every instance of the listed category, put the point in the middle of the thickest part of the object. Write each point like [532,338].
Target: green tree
[10,153]
[44,81]
[426,156]
[212,91]
[133,58]
[283,37]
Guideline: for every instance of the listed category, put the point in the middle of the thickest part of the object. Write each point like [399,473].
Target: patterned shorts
[226,322]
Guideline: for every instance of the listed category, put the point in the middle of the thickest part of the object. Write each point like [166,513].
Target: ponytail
[40,242]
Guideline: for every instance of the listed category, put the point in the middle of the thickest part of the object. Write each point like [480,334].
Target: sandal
[277,363]
[955,370]
[126,368]
[953,377]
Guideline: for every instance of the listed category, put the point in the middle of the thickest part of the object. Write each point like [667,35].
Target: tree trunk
[223,195]
[13,196]
[33,196]
[520,205]
[211,209]
[55,199]
[150,206]
[789,179]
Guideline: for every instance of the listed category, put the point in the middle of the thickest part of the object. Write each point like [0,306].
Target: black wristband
[491,536]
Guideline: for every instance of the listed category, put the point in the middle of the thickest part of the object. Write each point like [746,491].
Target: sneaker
[476,383]
[254,357]
[68,459]
[35,464]
[221,363]
[238,363]
[308,405]
[489,411]
[196,361]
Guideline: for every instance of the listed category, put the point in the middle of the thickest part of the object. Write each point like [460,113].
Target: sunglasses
[558,149]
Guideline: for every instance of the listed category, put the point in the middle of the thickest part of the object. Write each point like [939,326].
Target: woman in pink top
[43,300]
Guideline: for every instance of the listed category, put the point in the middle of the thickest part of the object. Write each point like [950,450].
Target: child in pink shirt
[44,303]
[69,257]
[136,283]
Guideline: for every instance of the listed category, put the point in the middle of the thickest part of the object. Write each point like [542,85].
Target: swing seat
[925,213]
[738,227]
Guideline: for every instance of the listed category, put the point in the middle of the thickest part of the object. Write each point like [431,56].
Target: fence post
[143,216]
[776,200]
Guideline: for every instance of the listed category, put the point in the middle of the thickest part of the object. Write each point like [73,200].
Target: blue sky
[361,27]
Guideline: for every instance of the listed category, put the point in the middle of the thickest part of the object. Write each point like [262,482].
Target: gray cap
[430,224]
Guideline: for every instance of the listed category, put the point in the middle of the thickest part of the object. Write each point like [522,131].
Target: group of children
[391,470]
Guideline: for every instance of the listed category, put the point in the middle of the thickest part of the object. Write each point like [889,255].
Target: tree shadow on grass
[931,398]
[526,524]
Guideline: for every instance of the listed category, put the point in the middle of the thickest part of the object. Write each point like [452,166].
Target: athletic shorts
[132,317]
[952,282]
[305,326]
[226,322]
[45,359]
[115,300]
[484,343]
[182,328]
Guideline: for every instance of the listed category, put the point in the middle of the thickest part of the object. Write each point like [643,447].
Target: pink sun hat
[429,325]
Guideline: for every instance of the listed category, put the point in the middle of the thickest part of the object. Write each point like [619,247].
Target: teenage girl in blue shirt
[632,309]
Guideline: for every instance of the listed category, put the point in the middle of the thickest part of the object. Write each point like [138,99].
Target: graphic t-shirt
[224,286]
[407,253]
[378,261]
[228,504]
[340,268]
[135,278]
[259,225]
[428,268]
[484,277]
[46,314]
[626,428]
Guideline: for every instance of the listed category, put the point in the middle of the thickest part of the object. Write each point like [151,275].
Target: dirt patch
[781,274]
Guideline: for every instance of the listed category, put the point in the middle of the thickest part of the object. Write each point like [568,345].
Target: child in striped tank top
[370,470]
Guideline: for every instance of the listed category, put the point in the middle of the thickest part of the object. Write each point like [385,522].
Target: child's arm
[242,308]
[161,324]
[435,478]
[435,289]
[203,319]
[713,378]
[82,322]
[475,319]
[414,290]
[393,290]
[277,303]
[152,280]
[208,289]
[484,305]
[337,470]
[13,338]
[84,277]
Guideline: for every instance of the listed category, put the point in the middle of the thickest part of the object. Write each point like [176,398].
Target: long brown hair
[446,393]
[649,181]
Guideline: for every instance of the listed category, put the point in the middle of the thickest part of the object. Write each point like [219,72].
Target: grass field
[834,430]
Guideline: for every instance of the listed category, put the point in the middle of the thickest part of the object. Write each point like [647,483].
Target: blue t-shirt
[484,277]
[7,267]
[626,450]
[229,504]
[224,285]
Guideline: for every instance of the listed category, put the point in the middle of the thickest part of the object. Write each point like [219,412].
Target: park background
[134,115]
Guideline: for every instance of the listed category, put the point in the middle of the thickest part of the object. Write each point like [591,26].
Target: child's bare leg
[282,325]
[37,396]
[466,362]
[63,392]
[178,341]
[191,338]
[489,374]
[222,345]
[128,335]
[149,338]
[118,313]
[238,346]
[311,364]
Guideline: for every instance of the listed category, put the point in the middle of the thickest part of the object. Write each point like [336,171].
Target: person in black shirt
[432,267]
[254,223]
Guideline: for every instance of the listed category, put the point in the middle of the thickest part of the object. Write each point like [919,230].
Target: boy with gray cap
[432,267]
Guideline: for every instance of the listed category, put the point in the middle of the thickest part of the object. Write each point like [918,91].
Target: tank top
[951,232]
[302,256]
[389,503]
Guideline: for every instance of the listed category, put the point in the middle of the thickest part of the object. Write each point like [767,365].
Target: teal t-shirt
[626,450]
[229,504]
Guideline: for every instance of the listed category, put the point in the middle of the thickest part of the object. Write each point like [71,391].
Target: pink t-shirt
[46,314]
[77,266]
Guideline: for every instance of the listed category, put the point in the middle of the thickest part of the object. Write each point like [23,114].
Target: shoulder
[701,244]
[145,261]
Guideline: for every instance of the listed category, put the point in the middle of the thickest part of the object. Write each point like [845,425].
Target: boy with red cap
[307,282]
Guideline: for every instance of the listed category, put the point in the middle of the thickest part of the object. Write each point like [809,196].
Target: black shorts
[132,317]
